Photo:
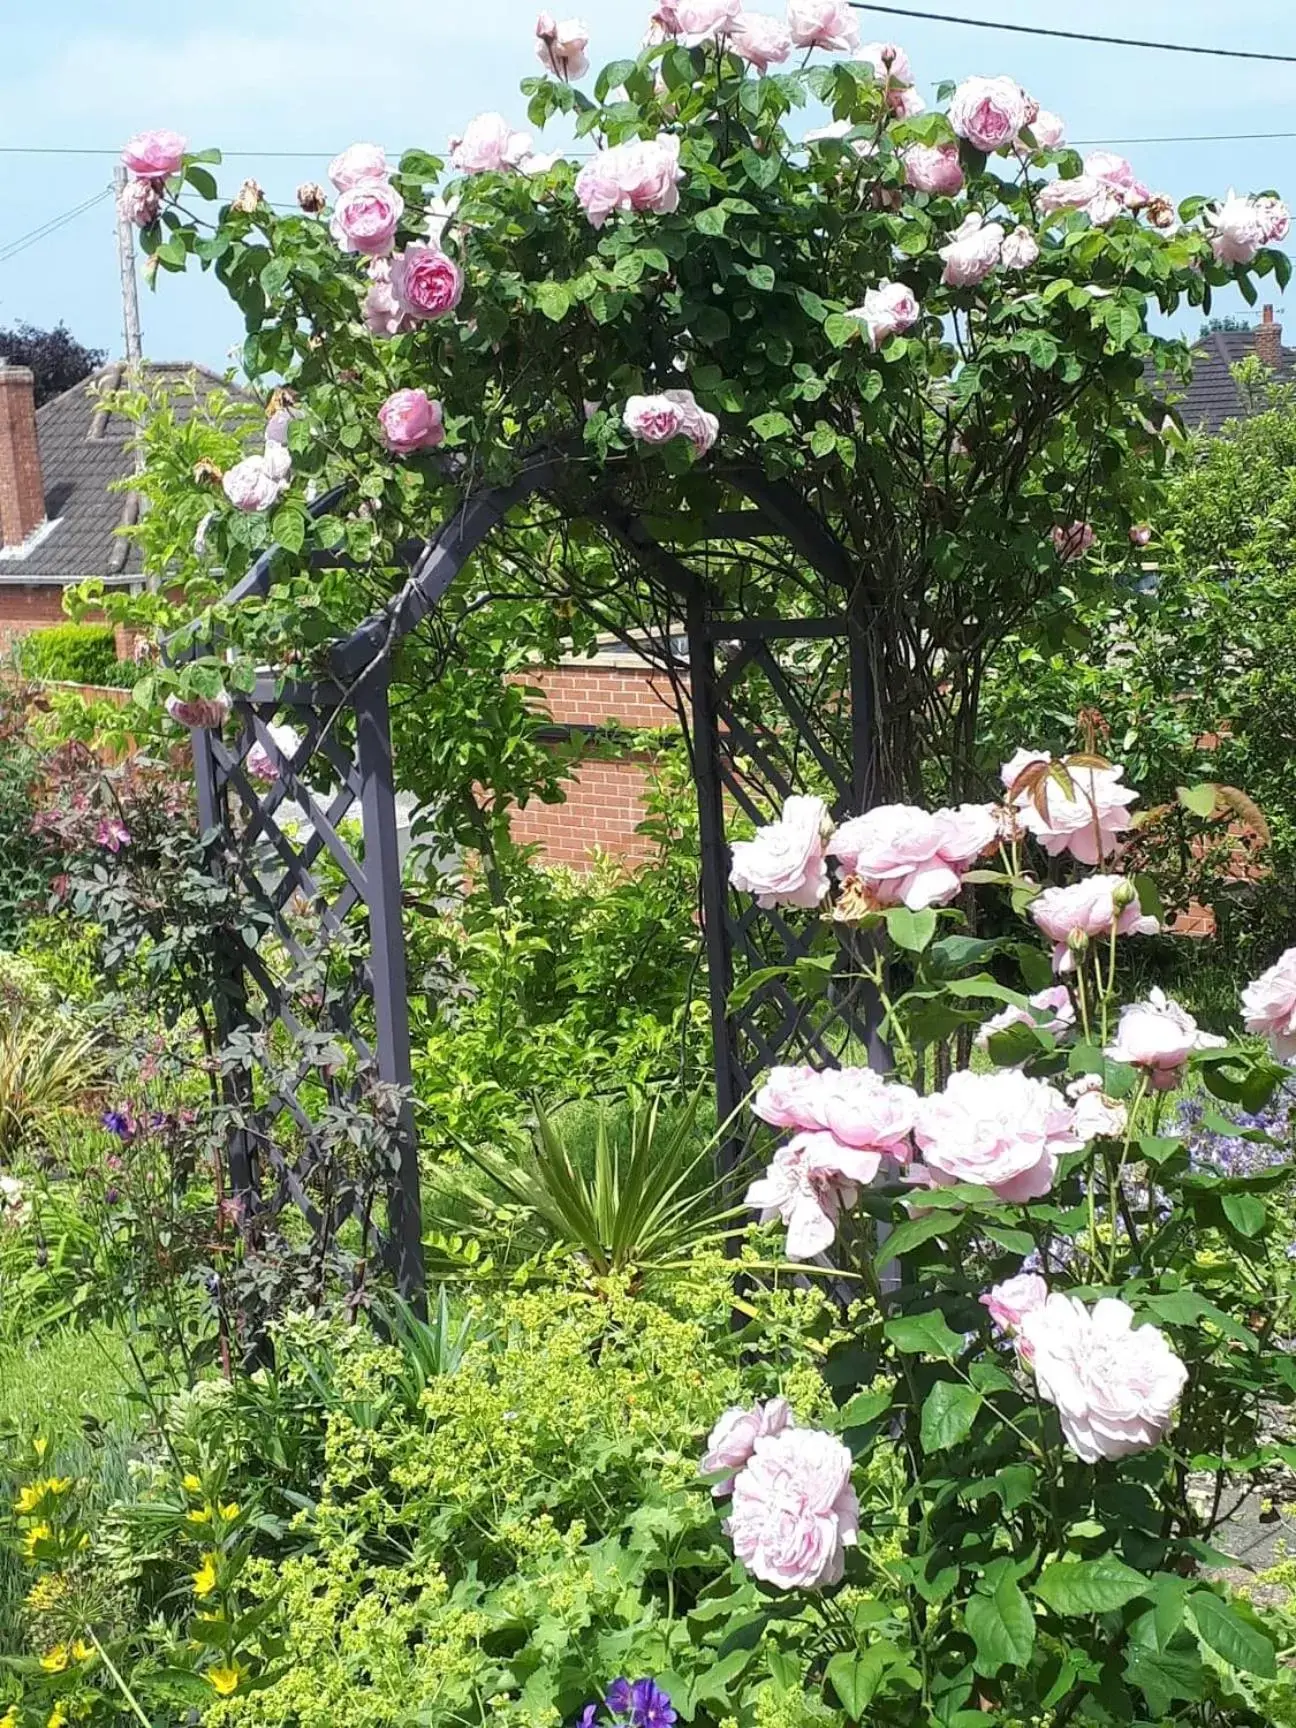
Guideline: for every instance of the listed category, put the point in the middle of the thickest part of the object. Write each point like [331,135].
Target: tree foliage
[55,356]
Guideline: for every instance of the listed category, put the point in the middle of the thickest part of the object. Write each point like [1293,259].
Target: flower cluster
[630,1704]
[794,1512]
[670,414]
[257,483]
[152,157]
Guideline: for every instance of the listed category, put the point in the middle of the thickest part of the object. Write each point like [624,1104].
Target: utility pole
[126,261]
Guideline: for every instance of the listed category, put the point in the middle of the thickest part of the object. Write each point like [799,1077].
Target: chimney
[22,493]
[1268,340]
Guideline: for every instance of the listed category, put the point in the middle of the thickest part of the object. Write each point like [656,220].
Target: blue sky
[315,75]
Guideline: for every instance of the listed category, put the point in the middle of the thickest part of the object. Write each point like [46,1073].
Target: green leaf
[863,1408]
[1090,1586]
[839,329]
[553,299]
[912,1234]
[823,440]
[711,220]
[771,425]
[948,1413]
[1200,800]
[1163,1676]
[856,1675]
[288,527]
[1002,1627]
[1245,1212]
[203,183]
[910,930]
[924,1335]
[613,76]
[761,277]
[761,170]
[1241,1644]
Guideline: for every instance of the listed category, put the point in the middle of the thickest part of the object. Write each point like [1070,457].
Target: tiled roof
[83,450]
[1212,397]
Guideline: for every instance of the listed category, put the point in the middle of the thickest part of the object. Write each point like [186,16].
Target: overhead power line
[1076,35]
[12,248]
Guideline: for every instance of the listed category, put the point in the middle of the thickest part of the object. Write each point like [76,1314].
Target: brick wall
[604,798]
[22,494]
[25,607]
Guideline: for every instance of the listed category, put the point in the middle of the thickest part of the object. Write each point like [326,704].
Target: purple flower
[112,834]
[111,1196]
[632,1704]
[119,1122]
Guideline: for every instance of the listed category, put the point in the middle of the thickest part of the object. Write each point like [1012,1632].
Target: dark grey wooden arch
[748,753]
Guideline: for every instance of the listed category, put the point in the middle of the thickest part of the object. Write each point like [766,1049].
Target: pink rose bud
[1073,540]
[356,163]
[425,282]
[155,155]
[139,202]
[411,421]
[560,48]
[366,216]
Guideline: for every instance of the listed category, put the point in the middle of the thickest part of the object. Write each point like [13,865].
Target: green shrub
[74,654]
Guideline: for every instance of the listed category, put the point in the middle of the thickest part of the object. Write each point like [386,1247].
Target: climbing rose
[794,1511]
[1055,1003]
[425,283]
[1088,909]
[759,39]
[1072,541]
[887,310]
[1020,250]
[155,155]
[695,20]
[1087,820]
[255,483]
[823,24]
[653,419]
[862,1110]
[1269,1006]
[1241,226]
[988,112]
[262,764]
[913,857]
[933,168]
[972,251]
[140,202]
[808,1184]
[1115,1385]
[790,1097]
[410,421]
[206,712]
[733,1439]
[560,48]
[1096,1115]
[783,863]
[1047,130]
[1082,192]
[489,145]
[643,175]
[366,216]
[1114,171]
[356,163]
[1159,1036]
[889,61]
[1140,534]
[1010,1302]
[1003,1130]
[382,312]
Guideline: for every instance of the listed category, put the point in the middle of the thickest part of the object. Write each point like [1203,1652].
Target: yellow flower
[192,1485]
[32,1495]
[58,1717]
[58,1484]
[37,1534]
[229,1510]
[224,1679]
[40,1447]
[56,1660]
[82,1651]
[200,1515]
[204,1579]
[10,1717]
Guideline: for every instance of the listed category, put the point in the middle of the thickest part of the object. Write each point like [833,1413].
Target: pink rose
[888,309]
[1010,1302]
[1140,534]
[256,483]
[425,283]
[823,24]
[1241,226]
[1072,541]
[794,1511]
[783,863]
[1115,1385]
[1047,130]
[140,202]
[267,763]
[732,1441]
[356,163]
[699,427]
[1269,1006]
[643,175]
[809,1183]
[366,216]
[1088,909]
[696,20]
[933,168]
[988,112]
[1087,819]
[862,1110]
[653,419]
[1020,250]
[1114,171]
[1001,1130]
[911,857]
[790,1097]
[206,713]
[560,48]
[1159,1036]
[155,155]
[972,251]
[489,146]
[904,102]
[890,63]
[1097,1117]
[1056,1015]
[760,40]
[382,312]
[410,421]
